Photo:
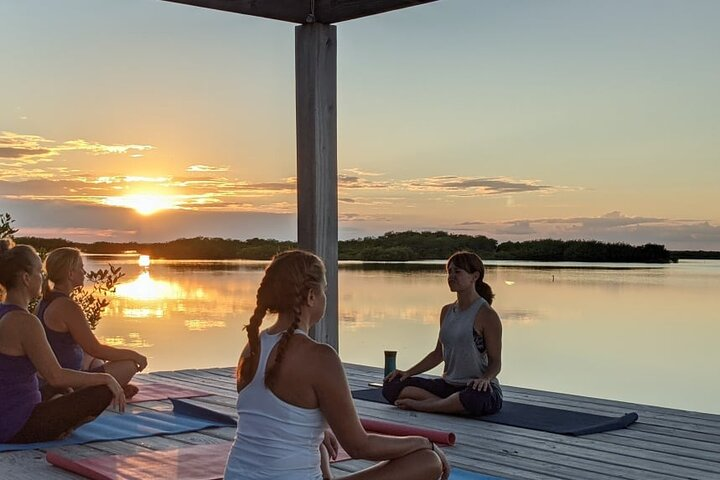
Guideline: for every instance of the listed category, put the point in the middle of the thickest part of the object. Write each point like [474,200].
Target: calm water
[627,332]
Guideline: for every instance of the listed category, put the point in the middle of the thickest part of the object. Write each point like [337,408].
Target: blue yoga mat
[185,417]
[460,474]
[546,419]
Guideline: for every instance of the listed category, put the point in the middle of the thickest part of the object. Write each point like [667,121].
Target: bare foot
[130,390]
[408,403]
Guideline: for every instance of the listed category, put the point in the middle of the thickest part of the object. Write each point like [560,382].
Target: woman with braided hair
[294,399]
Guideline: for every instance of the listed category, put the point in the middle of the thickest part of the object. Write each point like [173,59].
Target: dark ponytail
[472,263]
[485,291]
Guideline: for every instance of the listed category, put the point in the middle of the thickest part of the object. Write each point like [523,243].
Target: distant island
[392,246]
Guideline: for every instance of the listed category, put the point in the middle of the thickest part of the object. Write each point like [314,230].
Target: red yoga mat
[397,429]
[198,462]
[162,391]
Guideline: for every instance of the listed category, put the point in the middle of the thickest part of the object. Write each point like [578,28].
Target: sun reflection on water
[197,325]
[146,288]
[143,312]
[133,340]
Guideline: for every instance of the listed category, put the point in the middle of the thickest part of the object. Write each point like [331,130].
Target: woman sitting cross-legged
[24,351]
[291,389]
[470,345]
[67,328]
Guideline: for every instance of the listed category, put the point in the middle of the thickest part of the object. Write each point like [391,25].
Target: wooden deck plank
[375,375]
[681,418]
[552,448]
[662,457]
[669,425]
[644,458]
[665,444]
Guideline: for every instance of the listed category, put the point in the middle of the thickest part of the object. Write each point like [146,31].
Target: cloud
[46,188]
[358,217]
[29,147]
[206,168]
[518,228]
[362,173]
[20,152]
[477,185]
[98,148]
[65,185]
[358,182]
[675,234]
[355,179]
[209,190]
[97,222]
[78,234]
[609,220]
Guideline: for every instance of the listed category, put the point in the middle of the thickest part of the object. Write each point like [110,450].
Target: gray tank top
[464,351]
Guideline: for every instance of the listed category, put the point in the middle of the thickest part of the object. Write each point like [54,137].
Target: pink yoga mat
[198,462]
[397,429]
[162,391]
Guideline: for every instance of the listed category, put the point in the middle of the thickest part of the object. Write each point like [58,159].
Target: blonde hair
[288,280]
[58,265]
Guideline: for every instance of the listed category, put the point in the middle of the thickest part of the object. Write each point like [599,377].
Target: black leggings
[56,418]
[475,402]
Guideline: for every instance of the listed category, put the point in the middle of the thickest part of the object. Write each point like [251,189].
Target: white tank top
[275,440]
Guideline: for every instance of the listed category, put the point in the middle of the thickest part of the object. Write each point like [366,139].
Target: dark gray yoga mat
[534,417]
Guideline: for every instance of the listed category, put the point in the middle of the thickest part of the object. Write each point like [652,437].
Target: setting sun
[144,204]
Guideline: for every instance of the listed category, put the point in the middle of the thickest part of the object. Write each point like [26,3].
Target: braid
[247,366]
[287,335]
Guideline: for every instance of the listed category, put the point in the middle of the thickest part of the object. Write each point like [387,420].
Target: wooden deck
[664,444]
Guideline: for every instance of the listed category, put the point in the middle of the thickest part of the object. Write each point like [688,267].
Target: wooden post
[316,117]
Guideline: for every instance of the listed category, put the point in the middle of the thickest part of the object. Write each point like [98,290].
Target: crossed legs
[415,398]
[437,396]
[419,465]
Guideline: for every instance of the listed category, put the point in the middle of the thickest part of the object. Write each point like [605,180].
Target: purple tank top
[20,392]
[66,349]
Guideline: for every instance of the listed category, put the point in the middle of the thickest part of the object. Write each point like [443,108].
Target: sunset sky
[146,120]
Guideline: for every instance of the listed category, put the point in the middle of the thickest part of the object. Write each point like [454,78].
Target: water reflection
[146,288]
[524,317]
[143,312]
[604,332]
[133,341]
[197,325]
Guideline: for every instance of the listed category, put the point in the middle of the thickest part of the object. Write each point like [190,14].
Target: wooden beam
[334,11]
[316,119]
[295,11]
[299,11]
